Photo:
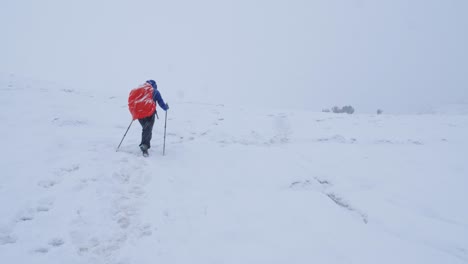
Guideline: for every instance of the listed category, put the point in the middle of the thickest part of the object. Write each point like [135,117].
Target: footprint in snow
[145,230]
[68,122]
[137,191]
[56,242]
[68,90]
[121,177]
[48,183]
[123,222]
[25,215]
[41,250]
[44,206]
[7,239]
[70,168]
[58,174]
[28,214]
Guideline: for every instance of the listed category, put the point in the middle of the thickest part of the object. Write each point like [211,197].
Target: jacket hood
[153,83]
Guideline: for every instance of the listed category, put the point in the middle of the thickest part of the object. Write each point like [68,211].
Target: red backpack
[140,101]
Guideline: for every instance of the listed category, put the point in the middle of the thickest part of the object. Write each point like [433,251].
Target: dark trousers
[147,125]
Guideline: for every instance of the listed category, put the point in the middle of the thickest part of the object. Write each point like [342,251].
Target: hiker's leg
[147,124]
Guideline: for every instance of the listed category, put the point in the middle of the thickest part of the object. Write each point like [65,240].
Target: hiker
[148,122]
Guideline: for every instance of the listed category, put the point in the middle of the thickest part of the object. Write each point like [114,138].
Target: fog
[399,55]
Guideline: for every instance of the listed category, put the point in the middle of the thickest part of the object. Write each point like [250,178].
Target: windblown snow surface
[236,185]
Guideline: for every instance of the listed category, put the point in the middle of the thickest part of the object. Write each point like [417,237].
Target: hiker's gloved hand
[167,106]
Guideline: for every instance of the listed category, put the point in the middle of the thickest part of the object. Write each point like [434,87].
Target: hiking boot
[144,148]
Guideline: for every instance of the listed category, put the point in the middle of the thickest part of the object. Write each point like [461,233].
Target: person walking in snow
[147,123]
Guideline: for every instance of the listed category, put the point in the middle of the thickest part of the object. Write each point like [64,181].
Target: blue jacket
[157,95]
[157,98]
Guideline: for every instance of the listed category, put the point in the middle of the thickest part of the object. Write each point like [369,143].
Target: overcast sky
[400,55]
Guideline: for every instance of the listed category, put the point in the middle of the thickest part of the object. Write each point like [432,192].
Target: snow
[237,185]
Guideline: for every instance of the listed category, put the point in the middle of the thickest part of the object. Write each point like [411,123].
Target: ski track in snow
[325,185]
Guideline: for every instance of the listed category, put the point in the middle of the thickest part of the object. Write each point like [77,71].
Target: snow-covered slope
[236,185]
[452,109]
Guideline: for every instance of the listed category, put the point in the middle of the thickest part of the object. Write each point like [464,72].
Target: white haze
[402,56]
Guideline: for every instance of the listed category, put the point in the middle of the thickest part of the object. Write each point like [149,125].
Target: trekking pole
[165,125]
[124,136]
